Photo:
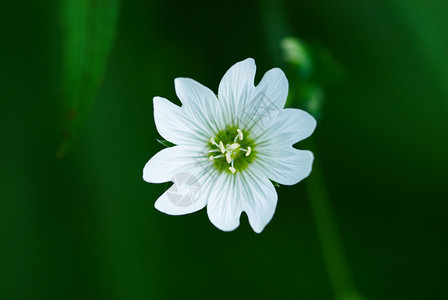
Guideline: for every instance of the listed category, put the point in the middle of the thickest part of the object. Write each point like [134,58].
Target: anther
[233,146]
[232,169]
[228,158]
[249,149]
[240,134]
[212,140]
[211,158]
[221,147]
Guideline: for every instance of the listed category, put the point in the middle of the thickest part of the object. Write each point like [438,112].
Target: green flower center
[231,150]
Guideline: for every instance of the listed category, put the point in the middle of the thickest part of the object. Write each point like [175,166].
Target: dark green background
[84,227]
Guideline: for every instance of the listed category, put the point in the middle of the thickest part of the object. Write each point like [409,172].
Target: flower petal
[169,162]
[285,166]
[267,100]
[287,128]
[260,199]
[274,88]
[200,103]
[190,173]
[223,206]
[174,125]
[236,89]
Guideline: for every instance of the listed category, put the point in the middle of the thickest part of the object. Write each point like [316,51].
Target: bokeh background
[84,226]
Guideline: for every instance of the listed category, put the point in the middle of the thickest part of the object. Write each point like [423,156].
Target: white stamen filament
[214,150]
[211,158]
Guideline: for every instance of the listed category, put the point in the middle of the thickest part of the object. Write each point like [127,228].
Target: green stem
[276,28]
[332,249]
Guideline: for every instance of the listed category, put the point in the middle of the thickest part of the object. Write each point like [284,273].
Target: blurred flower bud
[296,52]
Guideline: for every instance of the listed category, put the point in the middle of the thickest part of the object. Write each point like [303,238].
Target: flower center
[231,150]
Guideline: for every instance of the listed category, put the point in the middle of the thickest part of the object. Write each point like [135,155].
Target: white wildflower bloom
[229,147]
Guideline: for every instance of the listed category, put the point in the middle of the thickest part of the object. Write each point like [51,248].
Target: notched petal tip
[256,224]
[311,120]
[164,206]
[304,122]
[294,125]
[178,81]
[163,106]
[308,126]
[308,163]
[222,215]
[148,174]
[248,60]
[167,204]
[262,202]
[274,87]
[306,166]
[259,229]
[242,70]
[167,163]
[157,100]
[226,227]
[277,74]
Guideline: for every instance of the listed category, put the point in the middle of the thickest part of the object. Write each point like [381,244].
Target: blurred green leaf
[89,31]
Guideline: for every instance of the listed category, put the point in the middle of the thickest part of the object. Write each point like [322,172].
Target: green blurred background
[84,227]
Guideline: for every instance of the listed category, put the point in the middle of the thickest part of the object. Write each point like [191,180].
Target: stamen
[249,149]
[229,150]
[221,147]
[240,134]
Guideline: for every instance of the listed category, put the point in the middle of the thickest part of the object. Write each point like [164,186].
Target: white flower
[229,147]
